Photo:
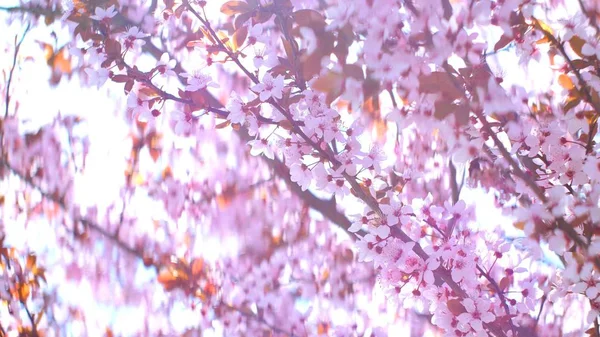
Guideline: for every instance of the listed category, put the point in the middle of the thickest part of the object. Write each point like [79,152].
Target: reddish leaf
[309,18]
[577,44]
[178,11]
[120,78]
[31,259]
[112,48]
[331,83]
[371,88]
[571,103]
[439,82]
[455,307]
[580,64]
[565,82]
[504,283]
[354,71]
[199,99]
[286,124]
[262,17]
[235,7]
[443,109]
[197,267]
[223,125]
[503,42]
[239,37]
[24,291]
[241,19]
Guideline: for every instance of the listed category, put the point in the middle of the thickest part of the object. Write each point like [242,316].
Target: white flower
[166,65]
[133,38]
[270,87]
[198,81]
[102,14]
[591,49]
[592,168]
[183,122]
[235,105]
[261,146]
[262,57]
[139,107]
[70,7]
[97,77]
[299,173]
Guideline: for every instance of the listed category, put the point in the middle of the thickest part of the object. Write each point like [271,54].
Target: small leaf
[332,83]
[580,64]
[354,71]
[235,7]
[112,48]
[322,328]
[128,86]
[197,267]
[241,19]
[577,44]
[178,11]
[223,125]
[455,307]
[120,78]
[309,18]
[286,125]
[503,42]
[571,103]
[565,82]
[24,291]
[544,26]
[439,82]
[504,283]
[31,259]
[239,37]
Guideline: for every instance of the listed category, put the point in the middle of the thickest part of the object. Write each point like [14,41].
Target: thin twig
[537,319]
[12,69]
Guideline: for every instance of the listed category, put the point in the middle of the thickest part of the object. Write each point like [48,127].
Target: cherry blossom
[477,314]
[269,87]
[261,146]
[437,160]
[101,14]
[198,81]
[166,65]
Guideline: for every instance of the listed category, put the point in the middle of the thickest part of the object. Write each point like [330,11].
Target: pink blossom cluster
[302,168]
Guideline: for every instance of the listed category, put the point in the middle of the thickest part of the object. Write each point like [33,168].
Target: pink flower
[592,168]
[270,87]
[235,105]
[396,212]
[463,267]
[590,283]
[198,81]
[299,173]
[477,314]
